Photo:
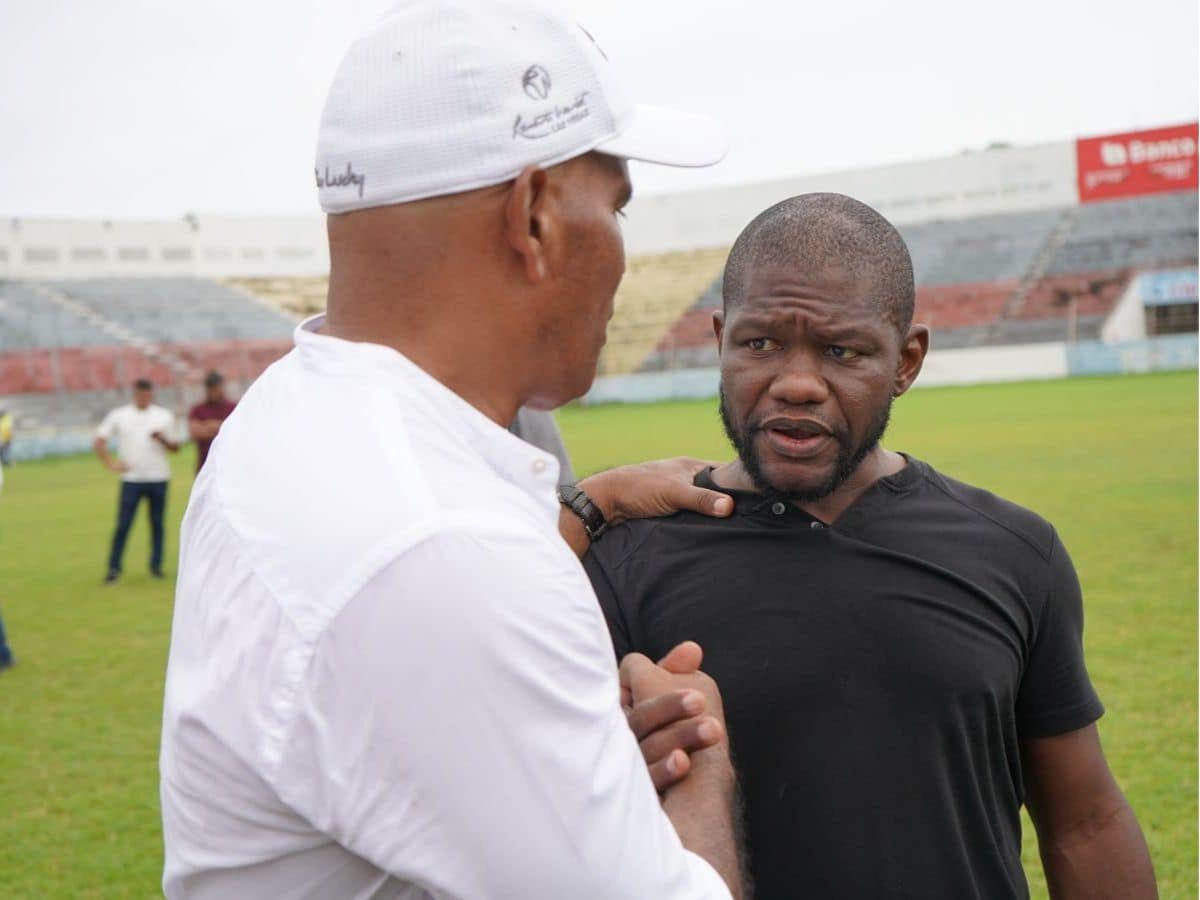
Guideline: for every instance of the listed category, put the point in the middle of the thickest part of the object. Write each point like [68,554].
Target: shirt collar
[754,503]
[523,465]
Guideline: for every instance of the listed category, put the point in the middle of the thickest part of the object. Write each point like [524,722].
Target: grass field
[1111,461]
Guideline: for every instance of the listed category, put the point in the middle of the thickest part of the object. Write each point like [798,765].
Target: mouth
[796,438]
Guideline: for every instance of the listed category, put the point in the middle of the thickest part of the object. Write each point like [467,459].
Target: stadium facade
[1033,261]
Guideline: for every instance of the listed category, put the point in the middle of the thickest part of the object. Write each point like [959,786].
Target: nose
[799,383]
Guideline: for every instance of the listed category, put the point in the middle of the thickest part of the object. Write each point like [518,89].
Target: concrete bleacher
[71,349]
[179,310]
[1134,233]
[978,251]
[27,319]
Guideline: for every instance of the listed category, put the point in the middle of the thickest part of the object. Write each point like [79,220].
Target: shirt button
[539,466]
[816,525]
[778,508]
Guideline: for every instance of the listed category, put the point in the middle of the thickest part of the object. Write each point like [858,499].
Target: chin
[571,386]
[797,479]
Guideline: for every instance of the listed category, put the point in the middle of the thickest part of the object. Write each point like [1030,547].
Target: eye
[762,344]
[839,352]
[621,214]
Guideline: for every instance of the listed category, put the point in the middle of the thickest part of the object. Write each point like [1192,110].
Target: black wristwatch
[574,499]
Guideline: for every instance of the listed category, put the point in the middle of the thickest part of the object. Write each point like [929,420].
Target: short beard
[848,459]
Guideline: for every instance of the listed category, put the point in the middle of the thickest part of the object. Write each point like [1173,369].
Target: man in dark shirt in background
[900,654]
[204,421]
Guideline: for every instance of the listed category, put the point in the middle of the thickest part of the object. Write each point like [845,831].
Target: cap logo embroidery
[536,83]
[552,120]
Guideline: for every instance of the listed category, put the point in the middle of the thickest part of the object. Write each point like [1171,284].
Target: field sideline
[1111,461]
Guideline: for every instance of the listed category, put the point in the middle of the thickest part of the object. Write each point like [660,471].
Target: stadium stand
[72,348]
[1017,278]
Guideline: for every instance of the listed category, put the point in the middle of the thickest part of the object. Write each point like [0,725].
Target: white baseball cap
[443,96]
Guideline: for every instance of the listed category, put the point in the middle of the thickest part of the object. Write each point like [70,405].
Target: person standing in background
[6,433]
[204,420]
[141,431]
[6,657]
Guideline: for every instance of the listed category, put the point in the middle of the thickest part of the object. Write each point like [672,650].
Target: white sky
[151,108]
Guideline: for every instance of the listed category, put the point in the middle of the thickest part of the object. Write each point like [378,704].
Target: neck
[877,464]
[456,335]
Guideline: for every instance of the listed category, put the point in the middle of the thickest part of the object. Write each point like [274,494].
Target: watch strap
[574,498]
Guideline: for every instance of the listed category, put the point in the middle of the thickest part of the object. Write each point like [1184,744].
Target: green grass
[1111,461]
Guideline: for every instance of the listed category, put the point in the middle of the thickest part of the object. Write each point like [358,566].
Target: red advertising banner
[1137,162]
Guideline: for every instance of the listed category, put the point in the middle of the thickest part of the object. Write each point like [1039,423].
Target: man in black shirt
[900,654]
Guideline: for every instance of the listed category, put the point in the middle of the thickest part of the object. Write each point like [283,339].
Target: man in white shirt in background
[389,675]
[142,434]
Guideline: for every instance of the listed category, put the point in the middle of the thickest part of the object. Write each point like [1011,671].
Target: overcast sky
[152,108]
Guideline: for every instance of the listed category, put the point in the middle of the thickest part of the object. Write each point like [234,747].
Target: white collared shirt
[389,676]
[133,430]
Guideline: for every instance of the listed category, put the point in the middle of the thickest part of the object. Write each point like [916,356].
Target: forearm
[1103,858]
[570,526]
[599,488]
[705,810]
[100,448]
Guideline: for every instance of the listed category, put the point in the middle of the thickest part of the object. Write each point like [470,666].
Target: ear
[912,357]
[527,222]
[718,328]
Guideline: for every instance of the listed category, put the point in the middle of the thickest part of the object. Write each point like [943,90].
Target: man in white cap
[389,676]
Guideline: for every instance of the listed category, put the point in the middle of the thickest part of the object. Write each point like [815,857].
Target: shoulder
[117,415]
[992,513]
[622,543]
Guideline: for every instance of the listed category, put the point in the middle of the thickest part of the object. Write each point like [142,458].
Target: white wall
[979,365]
[207,247]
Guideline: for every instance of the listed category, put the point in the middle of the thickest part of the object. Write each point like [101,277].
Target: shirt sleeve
[460,728]
[194,413]
[1056,694]
[108,427]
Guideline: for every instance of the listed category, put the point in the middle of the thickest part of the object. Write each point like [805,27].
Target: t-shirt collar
[755,503]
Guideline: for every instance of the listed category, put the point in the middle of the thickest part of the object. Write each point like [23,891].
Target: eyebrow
[832,331]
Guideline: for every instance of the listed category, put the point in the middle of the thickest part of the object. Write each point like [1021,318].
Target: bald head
[813,232]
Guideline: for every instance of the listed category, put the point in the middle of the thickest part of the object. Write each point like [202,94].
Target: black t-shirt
[877,674]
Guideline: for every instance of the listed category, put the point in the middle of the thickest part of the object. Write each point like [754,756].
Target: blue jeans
[6,656]
[132,492]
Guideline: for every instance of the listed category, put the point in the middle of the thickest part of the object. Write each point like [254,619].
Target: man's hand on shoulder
[651,489]
[645,491]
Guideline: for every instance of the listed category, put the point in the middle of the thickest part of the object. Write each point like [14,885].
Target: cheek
[861,395]
[744,384]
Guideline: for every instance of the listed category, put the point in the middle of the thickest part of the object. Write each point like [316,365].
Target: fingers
[650,715]
[683,659]
[632,667]
[689,736]
[682,495]
[667,772]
